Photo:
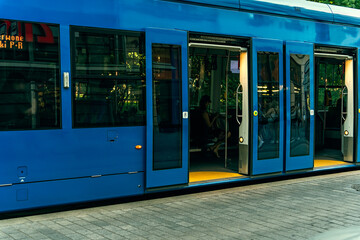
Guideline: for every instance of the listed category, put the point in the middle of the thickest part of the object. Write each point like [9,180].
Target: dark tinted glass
[108,79]
[29,76]
[299,104]
[269,105]
[166,65]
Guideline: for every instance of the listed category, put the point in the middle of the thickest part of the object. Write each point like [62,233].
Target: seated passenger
[209,128]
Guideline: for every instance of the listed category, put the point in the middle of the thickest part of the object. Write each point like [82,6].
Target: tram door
[299,106]
[267,108]
[167,108]
[221,72]
[335,106]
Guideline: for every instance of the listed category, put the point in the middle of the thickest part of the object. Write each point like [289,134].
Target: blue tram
[105,99]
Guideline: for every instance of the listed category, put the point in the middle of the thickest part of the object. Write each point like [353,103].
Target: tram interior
[212,156]
[330,108]
[210,80]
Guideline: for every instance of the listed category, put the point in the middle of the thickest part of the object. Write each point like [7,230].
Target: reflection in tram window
[29,76]
[108,78]
[269,105]
[299,104]
[167,120]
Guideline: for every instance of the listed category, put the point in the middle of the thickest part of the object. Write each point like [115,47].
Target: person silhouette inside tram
[210,127]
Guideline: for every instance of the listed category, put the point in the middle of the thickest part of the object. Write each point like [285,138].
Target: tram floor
[328,158]
[208,168]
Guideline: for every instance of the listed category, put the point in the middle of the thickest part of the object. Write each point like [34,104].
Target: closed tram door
[167,108]
[299,106]
[267,107]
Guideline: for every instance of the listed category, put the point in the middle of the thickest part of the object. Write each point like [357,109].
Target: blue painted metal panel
[303,9]
[57,154]
[223,3]
[300,162]
[166,177]
[65,67]
[33,195]
[135,15]
[276,164]
[345,15]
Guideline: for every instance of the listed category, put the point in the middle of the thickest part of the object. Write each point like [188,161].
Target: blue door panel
[307,161]
[32,195]
[272,165]
[58,154]
[166,177]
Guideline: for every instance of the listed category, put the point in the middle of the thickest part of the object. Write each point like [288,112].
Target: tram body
[98,98]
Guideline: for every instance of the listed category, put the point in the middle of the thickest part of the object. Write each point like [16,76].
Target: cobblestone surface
[290,209]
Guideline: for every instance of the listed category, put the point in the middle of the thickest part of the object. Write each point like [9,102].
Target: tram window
[108,78]
[29,76]
[269,105]
[299,104]
[166,65]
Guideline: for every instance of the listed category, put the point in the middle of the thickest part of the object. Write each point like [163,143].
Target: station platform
[301,208]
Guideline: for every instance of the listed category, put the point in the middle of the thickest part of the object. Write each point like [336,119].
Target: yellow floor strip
[326,163]
[210,175]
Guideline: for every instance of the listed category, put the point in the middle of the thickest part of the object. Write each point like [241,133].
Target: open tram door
[218,89]
[334,96]
[167,108]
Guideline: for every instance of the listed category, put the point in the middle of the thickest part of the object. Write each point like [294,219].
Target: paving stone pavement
[289,209]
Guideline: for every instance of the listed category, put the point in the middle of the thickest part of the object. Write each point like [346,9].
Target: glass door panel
[167,108]
[299,106]
[267,106]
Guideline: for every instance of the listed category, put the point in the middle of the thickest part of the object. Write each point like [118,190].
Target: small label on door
[185,115]
[312,112]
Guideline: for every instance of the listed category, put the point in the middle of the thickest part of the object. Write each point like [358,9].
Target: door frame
[243,80]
